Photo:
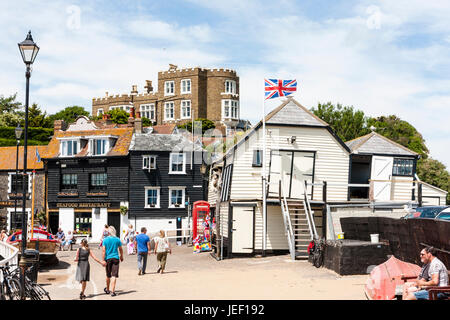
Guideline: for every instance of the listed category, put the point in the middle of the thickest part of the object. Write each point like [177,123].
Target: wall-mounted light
[292,139]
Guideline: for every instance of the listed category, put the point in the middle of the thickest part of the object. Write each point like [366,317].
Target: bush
[37,135]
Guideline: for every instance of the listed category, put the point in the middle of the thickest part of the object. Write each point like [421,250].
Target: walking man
[111,252]
[142,243]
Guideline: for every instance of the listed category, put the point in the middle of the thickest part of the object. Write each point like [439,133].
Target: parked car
[444,214]
[426,212]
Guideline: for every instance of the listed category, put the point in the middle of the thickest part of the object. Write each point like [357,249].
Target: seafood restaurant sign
[83,205]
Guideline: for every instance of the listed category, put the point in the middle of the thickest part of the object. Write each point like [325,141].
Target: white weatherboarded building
[371,170]
[299,147]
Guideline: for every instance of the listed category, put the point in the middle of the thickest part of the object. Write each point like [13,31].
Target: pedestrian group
[112,255]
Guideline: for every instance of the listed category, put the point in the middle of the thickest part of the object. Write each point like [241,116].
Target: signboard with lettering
[83,205]
[6,203]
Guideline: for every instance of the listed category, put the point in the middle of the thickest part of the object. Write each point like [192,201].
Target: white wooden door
[382,170]
[242,231]
[302,170]
[280,169]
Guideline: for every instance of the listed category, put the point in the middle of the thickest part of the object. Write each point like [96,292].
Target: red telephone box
[200,211]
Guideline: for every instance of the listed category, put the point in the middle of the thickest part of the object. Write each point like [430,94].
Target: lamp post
[18,132]
[28,50]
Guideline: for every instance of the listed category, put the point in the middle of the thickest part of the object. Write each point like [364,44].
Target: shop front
[85,219]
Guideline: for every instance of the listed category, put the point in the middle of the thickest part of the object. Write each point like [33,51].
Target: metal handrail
[287,219]
[308,211]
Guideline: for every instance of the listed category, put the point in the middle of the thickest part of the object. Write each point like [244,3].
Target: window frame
[232,86]
[98,187]
[182,91]
[144,167]
[257,152]
[20,173]
[94,146]
[402,166]
[171,162]
[64,147]
[151,109]
[166,92]
[166,105]
[181,109]
[233,109]
[71,186]
[183,200]
[158,197]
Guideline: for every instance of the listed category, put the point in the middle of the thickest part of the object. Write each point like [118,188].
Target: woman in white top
[129,235]
[162,247]
[3,236]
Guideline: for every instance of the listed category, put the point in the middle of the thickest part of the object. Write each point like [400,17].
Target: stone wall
[39,196]
[207,92]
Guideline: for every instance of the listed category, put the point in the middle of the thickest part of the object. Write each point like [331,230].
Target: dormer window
[99,147]
[69,148]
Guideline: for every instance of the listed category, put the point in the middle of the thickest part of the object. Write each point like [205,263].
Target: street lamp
[28,50]
[18,132]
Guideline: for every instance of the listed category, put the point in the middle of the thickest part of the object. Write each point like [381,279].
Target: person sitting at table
[68,240]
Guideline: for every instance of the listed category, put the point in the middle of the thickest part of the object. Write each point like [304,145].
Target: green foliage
[36,136]
[12,142]
[434,172]
[37,118]
[9,104]
[9,119]
[69,114]
[146,122]
[206,125]
[119,116]
[345,121]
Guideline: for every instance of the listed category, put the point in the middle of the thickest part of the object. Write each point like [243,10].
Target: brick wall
[207,88]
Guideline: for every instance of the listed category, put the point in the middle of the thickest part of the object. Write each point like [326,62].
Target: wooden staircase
[300,227]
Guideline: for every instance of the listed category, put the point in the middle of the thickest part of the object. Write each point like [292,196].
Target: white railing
[287,220]
[185,233]
[308,212]
[9,254]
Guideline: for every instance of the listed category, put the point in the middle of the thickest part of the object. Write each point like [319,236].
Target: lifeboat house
[312,179]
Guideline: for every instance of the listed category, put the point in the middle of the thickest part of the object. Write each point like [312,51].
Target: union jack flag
[275,88]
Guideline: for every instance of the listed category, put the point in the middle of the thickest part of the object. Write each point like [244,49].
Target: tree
[37,118]
[345,121]
[435,173]
[206,125]
[9,119]
[9,104]
[69,114]
[118,116]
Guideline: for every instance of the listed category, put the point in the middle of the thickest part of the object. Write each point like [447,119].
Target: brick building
[182,94]
[11,185]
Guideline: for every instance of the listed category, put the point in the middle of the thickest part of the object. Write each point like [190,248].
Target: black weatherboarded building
[165,180]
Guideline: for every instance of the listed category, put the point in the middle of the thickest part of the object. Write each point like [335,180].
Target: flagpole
[264,178]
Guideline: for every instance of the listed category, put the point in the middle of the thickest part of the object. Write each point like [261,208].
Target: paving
[199,276]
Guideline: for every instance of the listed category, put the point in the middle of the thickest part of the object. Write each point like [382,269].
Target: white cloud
[396,63]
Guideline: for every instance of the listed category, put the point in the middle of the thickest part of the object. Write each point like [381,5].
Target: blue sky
[384,57]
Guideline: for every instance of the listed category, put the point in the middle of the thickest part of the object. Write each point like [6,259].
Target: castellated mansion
[183,95]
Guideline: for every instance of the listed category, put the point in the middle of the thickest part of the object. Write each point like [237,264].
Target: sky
[383,57]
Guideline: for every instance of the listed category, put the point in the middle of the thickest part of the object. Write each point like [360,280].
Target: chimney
[138,125]
[148,86]
[59,125]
